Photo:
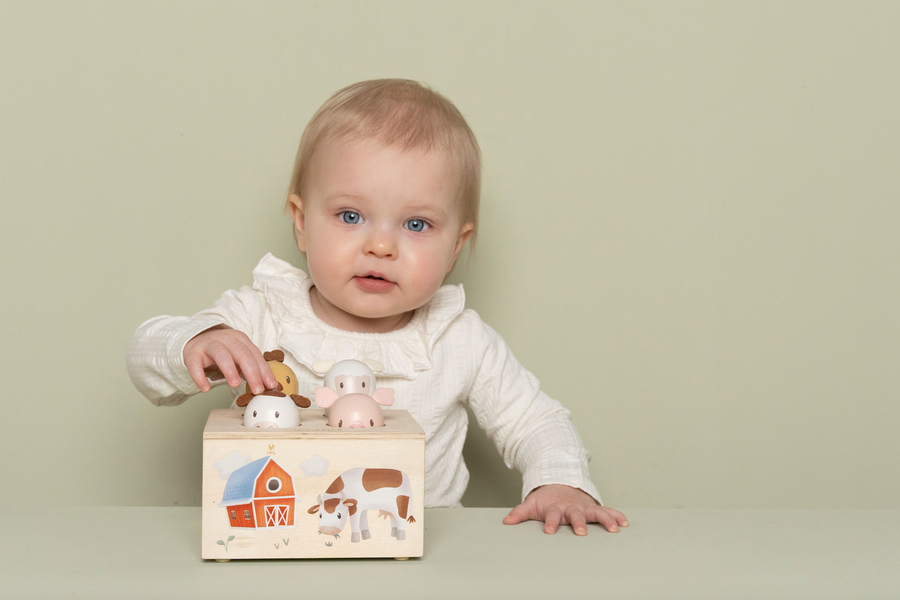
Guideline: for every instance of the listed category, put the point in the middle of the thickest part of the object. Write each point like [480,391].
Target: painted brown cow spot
[402,506]
[375,479]
[336,486]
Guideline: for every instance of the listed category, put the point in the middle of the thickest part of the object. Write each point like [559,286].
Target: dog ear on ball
[276,355]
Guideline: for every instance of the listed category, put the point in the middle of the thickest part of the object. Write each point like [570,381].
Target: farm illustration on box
[283,481]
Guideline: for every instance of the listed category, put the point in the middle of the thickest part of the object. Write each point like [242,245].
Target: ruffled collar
[403,352]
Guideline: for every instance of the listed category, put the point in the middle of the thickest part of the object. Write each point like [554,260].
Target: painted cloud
[315,467]
[228,465]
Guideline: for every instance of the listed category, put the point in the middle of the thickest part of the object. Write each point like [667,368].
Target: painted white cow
[357,491]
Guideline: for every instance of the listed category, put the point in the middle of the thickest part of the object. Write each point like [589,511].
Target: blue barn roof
[239,489]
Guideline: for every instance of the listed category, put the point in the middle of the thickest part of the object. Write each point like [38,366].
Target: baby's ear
[465,232]
[299,219]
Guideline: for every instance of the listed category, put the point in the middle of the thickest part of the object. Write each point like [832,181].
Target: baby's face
[380,228]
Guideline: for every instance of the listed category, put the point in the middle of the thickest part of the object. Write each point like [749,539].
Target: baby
[383,197]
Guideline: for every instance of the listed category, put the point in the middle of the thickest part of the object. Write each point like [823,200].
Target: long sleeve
[444,358]
[155,359]
[533,432]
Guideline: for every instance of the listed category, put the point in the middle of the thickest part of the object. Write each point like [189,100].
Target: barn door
[276,516]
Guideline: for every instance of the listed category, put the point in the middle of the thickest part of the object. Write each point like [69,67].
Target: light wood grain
[399,445]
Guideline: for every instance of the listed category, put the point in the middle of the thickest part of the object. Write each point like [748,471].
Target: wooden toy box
[261,488]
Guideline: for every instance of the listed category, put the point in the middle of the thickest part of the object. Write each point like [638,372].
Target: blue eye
[417,225]
[351,218]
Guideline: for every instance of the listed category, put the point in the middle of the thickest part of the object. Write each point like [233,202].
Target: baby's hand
[232,353]
[563,505]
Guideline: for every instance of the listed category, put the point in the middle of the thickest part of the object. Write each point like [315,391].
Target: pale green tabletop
[155,553]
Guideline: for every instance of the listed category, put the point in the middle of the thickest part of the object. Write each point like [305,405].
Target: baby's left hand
[563,505]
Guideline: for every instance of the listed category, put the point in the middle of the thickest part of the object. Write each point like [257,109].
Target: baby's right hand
[232,353]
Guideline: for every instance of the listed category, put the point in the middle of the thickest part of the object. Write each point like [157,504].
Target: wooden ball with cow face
[271,413]
[351,398]
[274,410]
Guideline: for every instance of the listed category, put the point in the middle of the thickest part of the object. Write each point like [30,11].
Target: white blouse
[444,358]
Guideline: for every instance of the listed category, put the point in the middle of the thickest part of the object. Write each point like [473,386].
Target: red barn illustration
[260,494]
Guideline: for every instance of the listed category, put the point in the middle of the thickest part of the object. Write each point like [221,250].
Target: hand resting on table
[557,505]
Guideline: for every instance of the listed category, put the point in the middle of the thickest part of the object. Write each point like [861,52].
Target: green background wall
[690,227]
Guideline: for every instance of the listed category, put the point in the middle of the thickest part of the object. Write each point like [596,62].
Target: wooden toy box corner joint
[312,491]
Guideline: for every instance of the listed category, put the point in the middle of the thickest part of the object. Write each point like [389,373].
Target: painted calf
[359,490]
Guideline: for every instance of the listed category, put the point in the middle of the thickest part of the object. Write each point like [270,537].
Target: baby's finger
[620,518]
[552,518]
[577,520]
[221,355]
[249,366]
[517,515]
[265,371]
[602,516]
[194,366]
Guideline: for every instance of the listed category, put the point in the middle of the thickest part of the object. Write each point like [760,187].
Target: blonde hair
[400,113]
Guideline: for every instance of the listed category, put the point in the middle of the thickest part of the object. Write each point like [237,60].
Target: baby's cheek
[322,266]
[430,274]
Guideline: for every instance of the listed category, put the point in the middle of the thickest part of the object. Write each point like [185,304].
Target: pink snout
[355,411]
[329,530]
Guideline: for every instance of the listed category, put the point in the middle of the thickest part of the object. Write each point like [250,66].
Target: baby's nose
[381,244]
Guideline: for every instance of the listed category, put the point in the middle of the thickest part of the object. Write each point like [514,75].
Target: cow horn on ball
[376,366]
[321,366]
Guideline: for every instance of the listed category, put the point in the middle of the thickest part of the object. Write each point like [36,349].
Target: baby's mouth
[375,275]
[374,282]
